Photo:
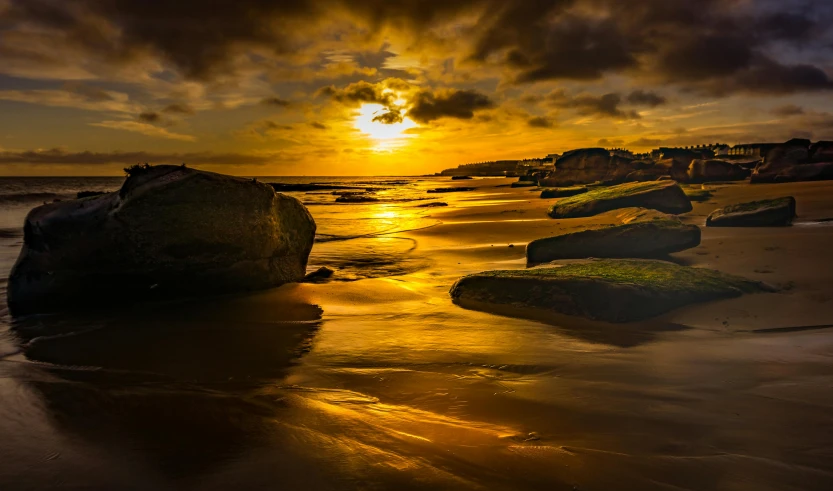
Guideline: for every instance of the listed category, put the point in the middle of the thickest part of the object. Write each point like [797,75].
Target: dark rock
[588,165]
[645,239]
[432,205]
[715,170]
[820,171]
[612,290]
[460,178]
[528,178]
[782,159]
[449,190]
[356,198]
[89,194]
[821,151]
[320,275]
[649,174]
[562,192]
[169,231]
[524,184]
[664,196]
[777,212]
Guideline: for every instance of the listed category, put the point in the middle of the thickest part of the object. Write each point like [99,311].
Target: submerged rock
[612,290]
[320,275]
[460,178]
[562,192]
[169,231]
[777,212]
[641,239]
[524,184]
[664,196]
[432,205]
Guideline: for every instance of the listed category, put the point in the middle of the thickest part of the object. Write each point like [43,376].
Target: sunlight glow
[386,136]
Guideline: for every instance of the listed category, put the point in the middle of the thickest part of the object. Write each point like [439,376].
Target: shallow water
[377,381]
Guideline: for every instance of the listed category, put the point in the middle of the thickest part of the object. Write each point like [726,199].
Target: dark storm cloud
[605,106]
[539,122]
[358,93]
[149,117]
[643,98]
[183,109]
[389,117]
[714,46]
[788,110]
[460,104]
[62,157]
[275,101]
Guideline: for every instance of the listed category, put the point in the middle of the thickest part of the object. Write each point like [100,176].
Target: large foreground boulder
[664,196]
[645,239]
[777,212]
[169,231]
[612,290]
[715,170]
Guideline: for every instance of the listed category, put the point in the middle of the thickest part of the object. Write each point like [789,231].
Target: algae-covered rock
[613,290]
[777,212]
[664,196]
[645,239]
[169,231]
[562,192]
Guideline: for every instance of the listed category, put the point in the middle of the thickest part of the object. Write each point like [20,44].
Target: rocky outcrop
[169,231]
[588,165]
[650,174]
[664,196]
[782,160]
[821,151]
[641,239]
[562,192]
[612,290]
[777,212]
[715,170]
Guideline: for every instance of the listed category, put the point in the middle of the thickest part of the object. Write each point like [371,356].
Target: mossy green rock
[652,238]
[169,231]
[612,290]
[664,196]
[562,192]
[777,212]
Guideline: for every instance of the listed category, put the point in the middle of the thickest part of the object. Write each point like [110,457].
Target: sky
[385,87]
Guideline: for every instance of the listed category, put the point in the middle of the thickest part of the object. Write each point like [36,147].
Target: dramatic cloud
[643,98]
[460,104]
[275,101]
[604,106]
[149,117]
[539,122]
[181,109]
[90,101]
[788,110]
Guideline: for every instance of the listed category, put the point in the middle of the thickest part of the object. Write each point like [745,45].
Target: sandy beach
[384,383]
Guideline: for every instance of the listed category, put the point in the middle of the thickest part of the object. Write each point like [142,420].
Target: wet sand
[383,383]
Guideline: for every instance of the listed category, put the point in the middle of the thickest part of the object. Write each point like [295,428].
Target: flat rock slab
[642,239]
[611,290]
[449,190]
[778,212]
[664,196]
[523,184]
[562,192]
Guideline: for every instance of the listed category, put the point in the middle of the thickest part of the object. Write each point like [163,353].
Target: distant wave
[28,197]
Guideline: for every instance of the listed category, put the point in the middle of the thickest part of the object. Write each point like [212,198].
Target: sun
[386,136]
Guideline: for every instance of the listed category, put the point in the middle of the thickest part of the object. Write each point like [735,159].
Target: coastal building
[756,150]
[622,152]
